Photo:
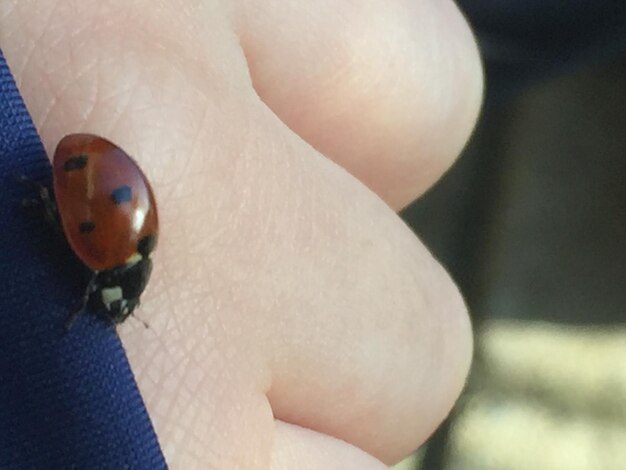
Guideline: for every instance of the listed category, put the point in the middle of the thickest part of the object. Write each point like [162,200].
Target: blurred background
[531,222]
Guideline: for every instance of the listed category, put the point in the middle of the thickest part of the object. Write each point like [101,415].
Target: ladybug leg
[43,200]
[50,211]
[28,203]
[92,287]
[127,311]
[26,181]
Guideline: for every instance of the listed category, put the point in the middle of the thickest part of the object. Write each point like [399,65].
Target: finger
[377,351]
[389,90]
[297,448]
[275,270]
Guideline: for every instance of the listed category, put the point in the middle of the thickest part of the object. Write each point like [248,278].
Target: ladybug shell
[105,202]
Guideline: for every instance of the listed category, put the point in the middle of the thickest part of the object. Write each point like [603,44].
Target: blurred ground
[545,397]
[532,224]
[550,398]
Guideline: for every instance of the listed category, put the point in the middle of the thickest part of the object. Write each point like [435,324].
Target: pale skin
[295,321]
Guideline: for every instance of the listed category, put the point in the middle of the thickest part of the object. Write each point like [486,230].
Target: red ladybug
[109,216]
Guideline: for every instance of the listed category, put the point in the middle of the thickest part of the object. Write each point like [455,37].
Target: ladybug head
[118,289]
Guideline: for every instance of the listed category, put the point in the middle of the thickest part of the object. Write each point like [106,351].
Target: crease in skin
[299,448]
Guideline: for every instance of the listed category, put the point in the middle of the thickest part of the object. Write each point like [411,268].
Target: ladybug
[107,211]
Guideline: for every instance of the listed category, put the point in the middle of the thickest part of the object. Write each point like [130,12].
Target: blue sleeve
[67,400]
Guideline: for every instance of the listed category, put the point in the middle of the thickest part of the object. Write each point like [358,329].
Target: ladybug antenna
[134,315]
[91,287]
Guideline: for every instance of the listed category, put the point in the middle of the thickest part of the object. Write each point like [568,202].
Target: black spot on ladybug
[146,244]
[77,162]
[121,194]
[86,227]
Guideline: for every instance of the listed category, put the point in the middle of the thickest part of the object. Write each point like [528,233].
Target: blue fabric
[67,400]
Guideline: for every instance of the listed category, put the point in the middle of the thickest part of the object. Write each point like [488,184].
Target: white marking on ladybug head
[110,295]
[134,258]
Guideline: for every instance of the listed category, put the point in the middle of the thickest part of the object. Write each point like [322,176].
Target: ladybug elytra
[108,214]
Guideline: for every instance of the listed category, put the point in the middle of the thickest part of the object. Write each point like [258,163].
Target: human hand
[295,321]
